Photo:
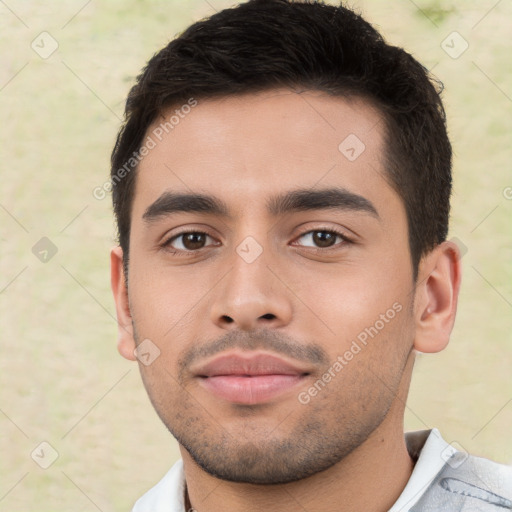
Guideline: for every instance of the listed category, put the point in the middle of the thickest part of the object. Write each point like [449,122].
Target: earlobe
[436,297]
[125,340]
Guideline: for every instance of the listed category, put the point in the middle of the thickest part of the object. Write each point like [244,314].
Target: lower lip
[250,390]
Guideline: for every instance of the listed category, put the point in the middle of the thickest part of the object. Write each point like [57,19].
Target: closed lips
[249,380]
[253,365]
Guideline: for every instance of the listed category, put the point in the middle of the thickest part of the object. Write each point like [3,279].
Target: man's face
[254,312]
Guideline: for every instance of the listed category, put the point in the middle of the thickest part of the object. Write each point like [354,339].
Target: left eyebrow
[292,201]
[327,198]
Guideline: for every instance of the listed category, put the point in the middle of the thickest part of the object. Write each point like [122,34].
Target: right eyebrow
[172,202]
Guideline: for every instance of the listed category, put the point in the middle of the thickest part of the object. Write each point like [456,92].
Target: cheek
[161,384]
[164,300]
[346,301]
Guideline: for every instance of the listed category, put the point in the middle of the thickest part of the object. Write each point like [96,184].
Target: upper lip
[252,364]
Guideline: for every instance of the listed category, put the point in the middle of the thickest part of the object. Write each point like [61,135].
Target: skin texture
[343,449]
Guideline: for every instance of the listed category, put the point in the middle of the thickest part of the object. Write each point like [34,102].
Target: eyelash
[346,240]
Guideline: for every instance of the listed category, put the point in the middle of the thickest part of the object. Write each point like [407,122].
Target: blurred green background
[61,378]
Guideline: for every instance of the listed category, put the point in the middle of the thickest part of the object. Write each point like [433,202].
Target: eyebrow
[292,201]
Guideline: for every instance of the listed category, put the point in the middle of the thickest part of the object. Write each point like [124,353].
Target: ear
[125,339]
[437,292]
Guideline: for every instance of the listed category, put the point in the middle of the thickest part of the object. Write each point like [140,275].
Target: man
[281,187]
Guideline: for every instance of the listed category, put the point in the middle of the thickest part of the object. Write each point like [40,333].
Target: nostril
[227,319]
[268,316]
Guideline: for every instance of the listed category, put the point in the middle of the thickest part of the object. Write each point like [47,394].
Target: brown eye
[193,241]
[323,238]
[188,241]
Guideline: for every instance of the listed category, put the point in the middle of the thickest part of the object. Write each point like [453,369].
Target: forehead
[245,148]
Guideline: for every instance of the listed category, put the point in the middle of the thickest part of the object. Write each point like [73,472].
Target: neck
[371,478]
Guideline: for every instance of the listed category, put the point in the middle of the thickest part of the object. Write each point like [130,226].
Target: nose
[250,296]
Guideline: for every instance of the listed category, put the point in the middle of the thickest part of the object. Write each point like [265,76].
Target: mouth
[249,379]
